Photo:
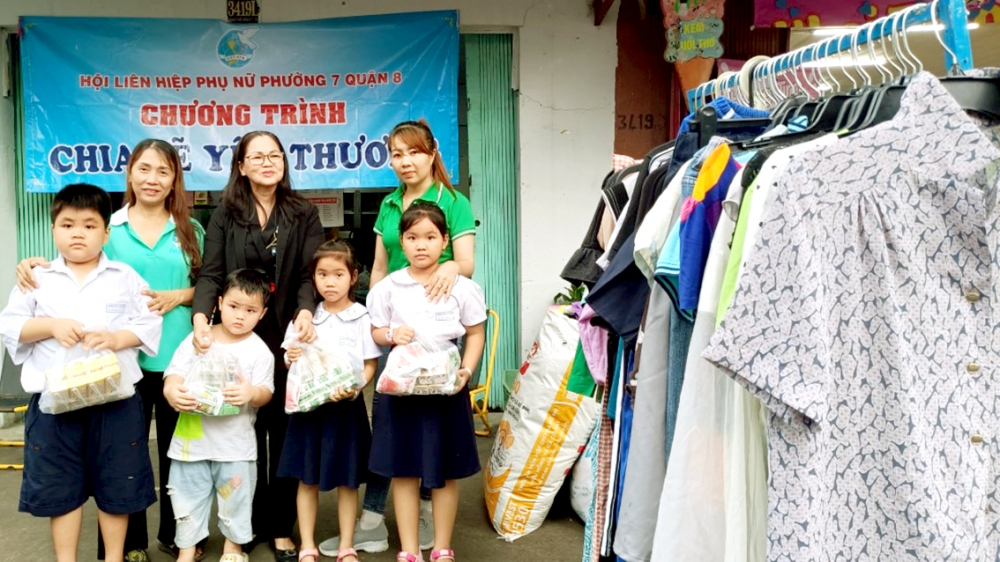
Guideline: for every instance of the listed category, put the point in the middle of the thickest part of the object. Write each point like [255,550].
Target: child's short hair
[341,250]
[251,281]
[82,196]
[423,210]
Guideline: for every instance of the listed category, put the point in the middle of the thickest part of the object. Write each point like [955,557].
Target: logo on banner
[236,48]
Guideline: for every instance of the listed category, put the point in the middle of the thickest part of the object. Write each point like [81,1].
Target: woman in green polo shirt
[154,234]
[422,175]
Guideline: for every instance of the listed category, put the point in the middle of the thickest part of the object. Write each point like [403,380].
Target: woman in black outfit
[263,224]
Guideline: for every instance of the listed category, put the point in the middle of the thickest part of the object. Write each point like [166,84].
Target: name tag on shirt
[347,342]
[446,316]
[115,308]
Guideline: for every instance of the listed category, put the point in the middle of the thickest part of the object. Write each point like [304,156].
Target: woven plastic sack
[211,372]
[421,368]
[313,378]
[84,378]
[544,429]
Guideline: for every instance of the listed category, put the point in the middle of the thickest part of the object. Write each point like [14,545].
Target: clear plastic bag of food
[313,378]
[84,378]
[211,372]
[421,368]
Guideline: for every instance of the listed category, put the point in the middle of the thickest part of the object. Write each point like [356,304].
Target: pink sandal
[407,557]
[443,553]
[309,552]
[347,552]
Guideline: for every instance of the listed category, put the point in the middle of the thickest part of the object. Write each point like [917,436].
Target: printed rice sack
[544,430]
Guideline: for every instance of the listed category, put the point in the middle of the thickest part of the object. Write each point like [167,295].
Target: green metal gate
[34,232]
[492,121]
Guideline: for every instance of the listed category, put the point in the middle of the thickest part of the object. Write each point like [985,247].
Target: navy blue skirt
[427,437]
[328,446]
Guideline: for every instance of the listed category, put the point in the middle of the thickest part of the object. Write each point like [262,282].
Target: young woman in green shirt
[155,235]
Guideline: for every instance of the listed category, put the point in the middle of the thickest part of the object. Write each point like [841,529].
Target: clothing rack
[951,14]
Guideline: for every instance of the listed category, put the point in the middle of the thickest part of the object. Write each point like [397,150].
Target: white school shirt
[349,332]
[109,297]
[399,300]
[222,438]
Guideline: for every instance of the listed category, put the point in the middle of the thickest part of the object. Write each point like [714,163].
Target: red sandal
[341,554]
[309,553]
[443,553]
[407,557]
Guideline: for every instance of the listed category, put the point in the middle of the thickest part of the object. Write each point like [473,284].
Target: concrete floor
[560,539]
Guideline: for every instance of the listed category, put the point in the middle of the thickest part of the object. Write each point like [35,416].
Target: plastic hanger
[886,78]
[892,96]
[850,119]
[981,95]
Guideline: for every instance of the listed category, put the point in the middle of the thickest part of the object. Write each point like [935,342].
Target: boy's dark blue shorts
[99,451]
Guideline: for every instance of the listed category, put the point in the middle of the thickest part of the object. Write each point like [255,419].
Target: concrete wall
[566,77]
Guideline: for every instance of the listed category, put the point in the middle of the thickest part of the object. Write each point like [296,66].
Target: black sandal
[173,551]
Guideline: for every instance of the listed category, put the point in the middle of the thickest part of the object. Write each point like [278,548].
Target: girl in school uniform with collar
[428,439]
[328,447]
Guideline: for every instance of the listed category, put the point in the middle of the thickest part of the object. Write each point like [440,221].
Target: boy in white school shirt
[98,451]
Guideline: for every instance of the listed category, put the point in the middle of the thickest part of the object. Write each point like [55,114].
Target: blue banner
[331,90]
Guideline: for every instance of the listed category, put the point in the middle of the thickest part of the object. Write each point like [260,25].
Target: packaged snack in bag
[314,377]
[421,368]
[85,378]
[210,373]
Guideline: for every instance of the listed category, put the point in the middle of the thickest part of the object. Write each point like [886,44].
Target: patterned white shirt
[865,321]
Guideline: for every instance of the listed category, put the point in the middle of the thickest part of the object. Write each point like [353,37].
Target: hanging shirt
[640,498]
[594,344]
[752,210]
[619,296]
[699,217]
[651,235]
[767,183]
[744,452]
[629,184]
[668,265]
[691,519]
[866,323]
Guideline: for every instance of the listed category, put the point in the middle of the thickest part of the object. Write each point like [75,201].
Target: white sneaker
[371,540]
[426,530]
